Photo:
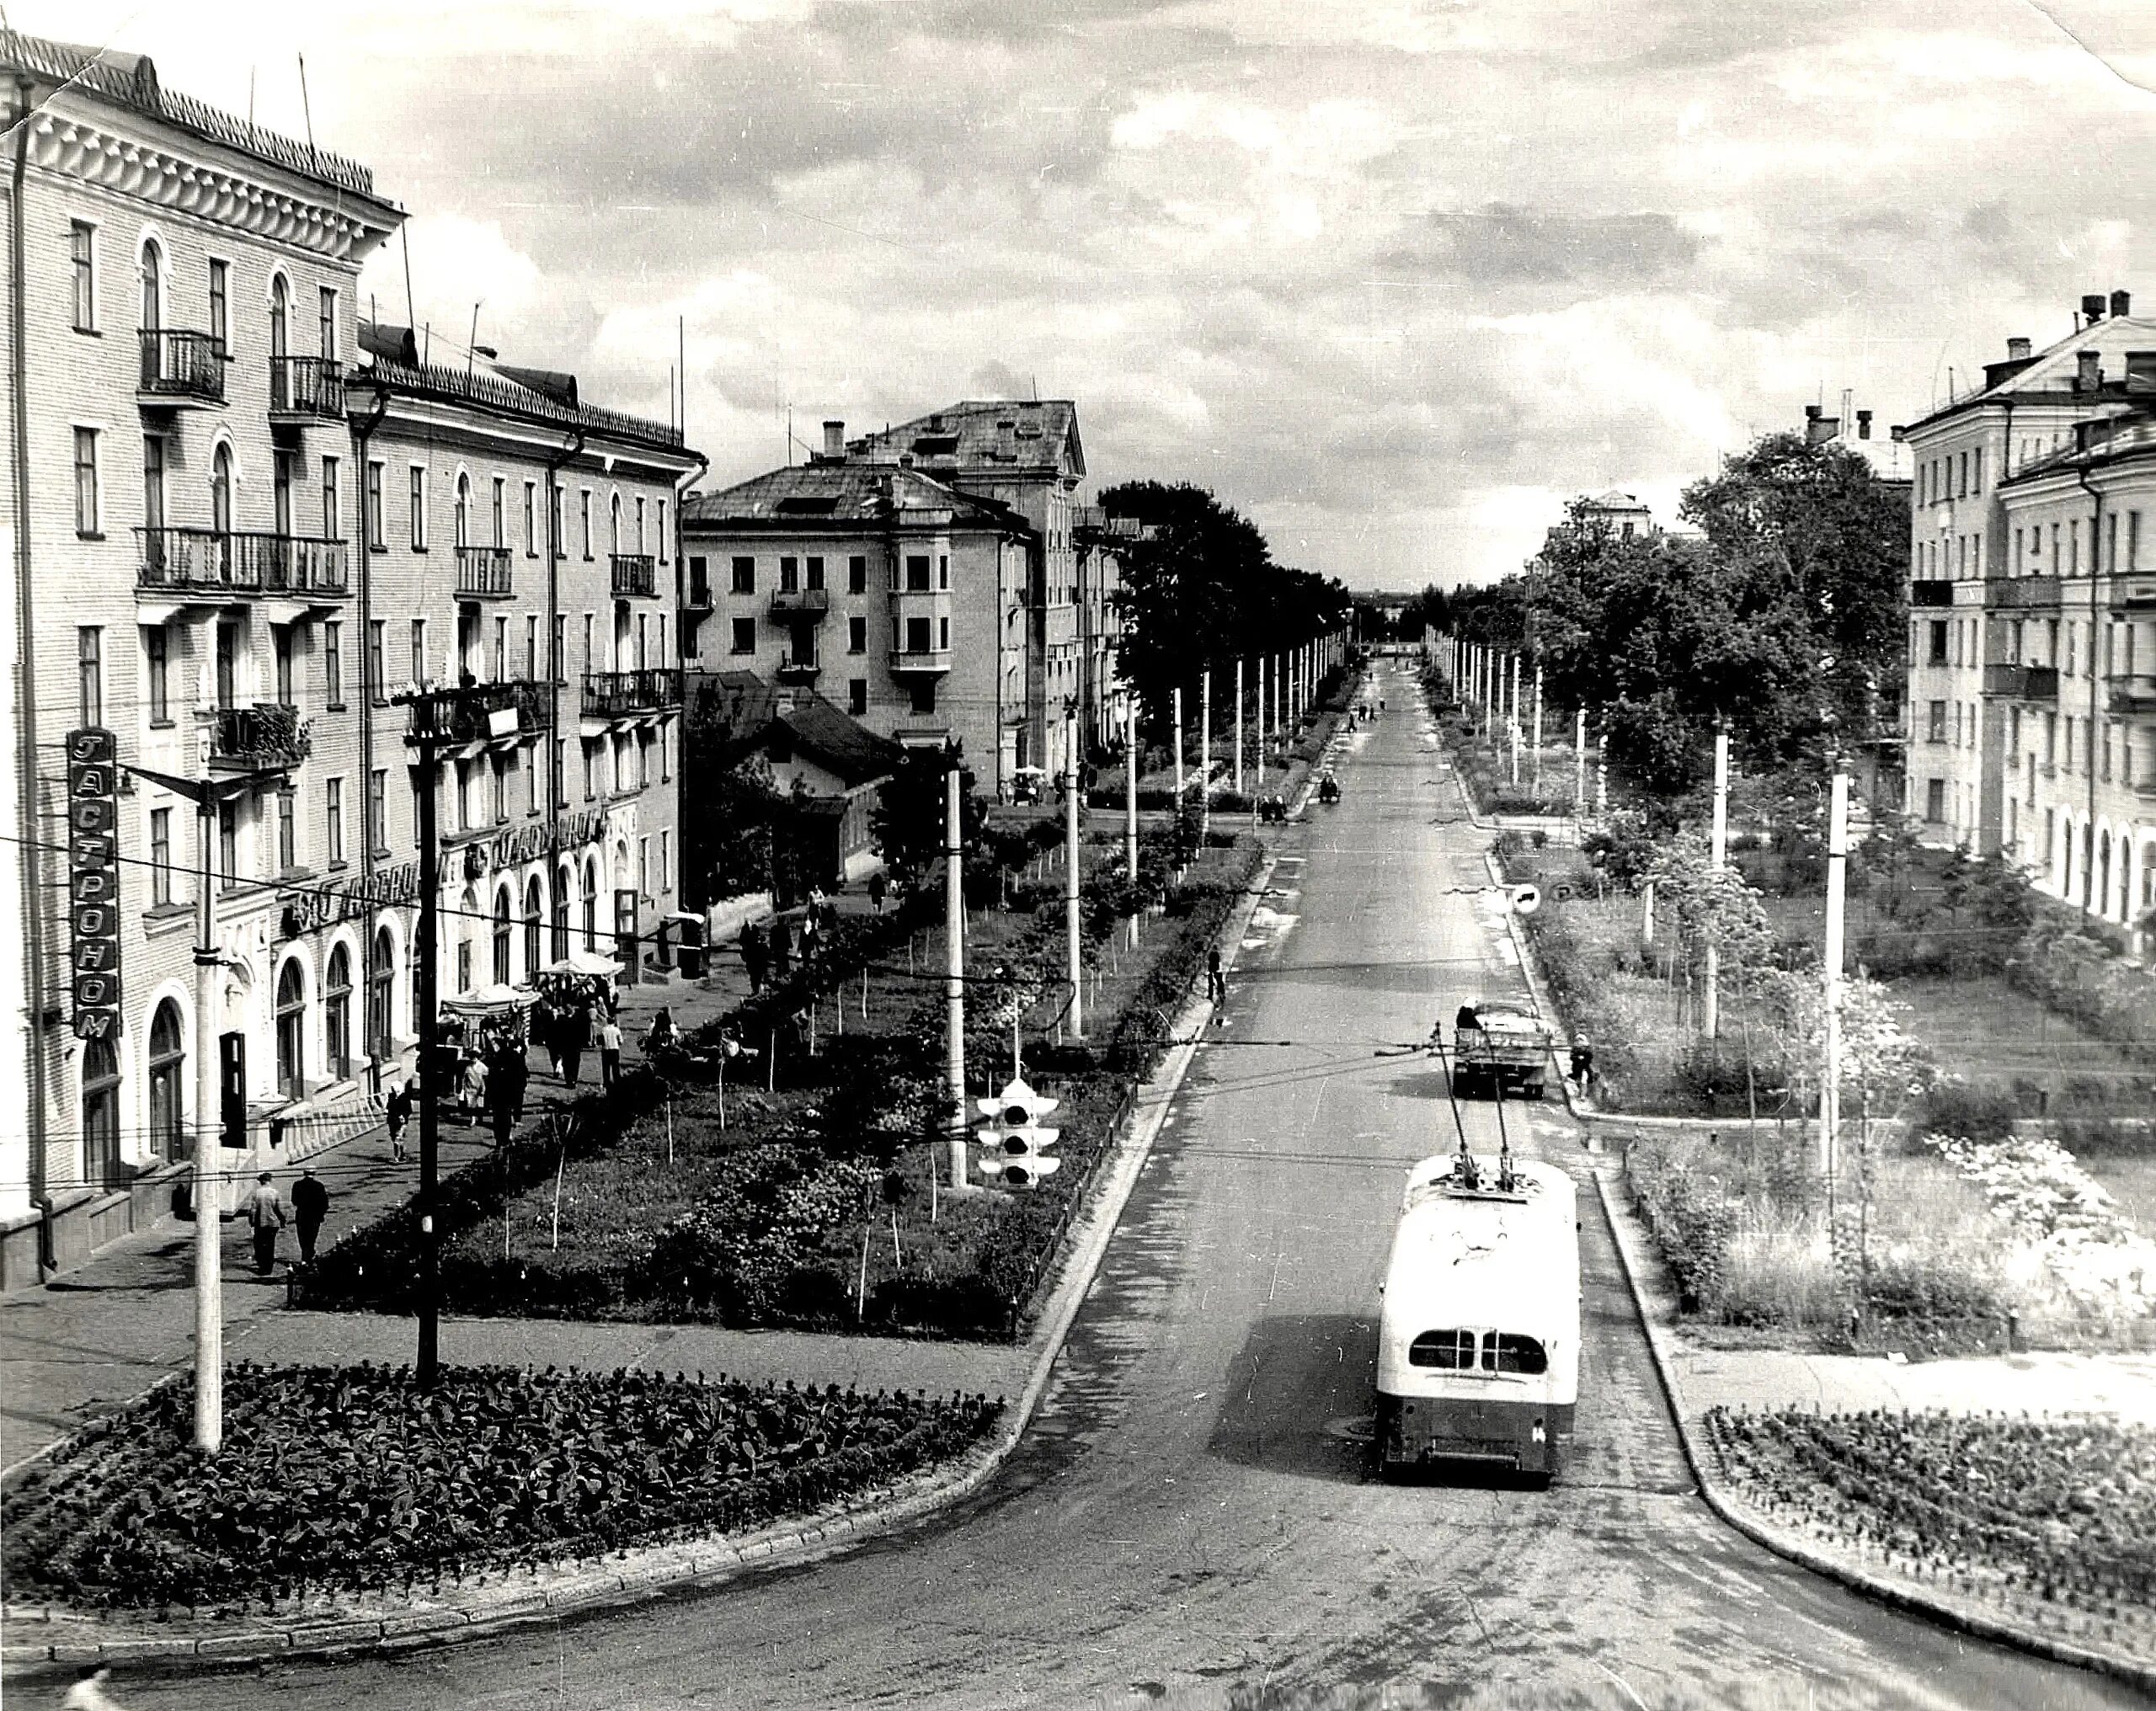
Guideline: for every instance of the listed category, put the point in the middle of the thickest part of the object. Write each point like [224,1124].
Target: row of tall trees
[1201,589]
[1780,611]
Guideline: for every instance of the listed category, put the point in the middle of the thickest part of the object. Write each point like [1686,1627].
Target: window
[333,662]
[228,843]
[644,866]
[614,525]
[281,488]
[857,575]
[82,248]
[591,905]
[1937,730]
[377,664]
[1518,1354]
[501,517]
[563,882]
[100,1112]
[462,517]
[662,530]
[378,810]
[227,665]
[561,647]
[1452,1351]
[642,658]
[917,572]
[160,858]
[1976,483]
[917,635]
[501,650]
[534,914]
[89,674]
[156,650]
[501,770]
[665,753]
[665,861]
[332,502]
[532,519]
[382,987]
[583,521]
[558,782]
[333,820]
[502,936]
[1937,656]
[744,576]
[789,575]
[168,1136]
[280,302]
[220,322]
[153,498]
[590,663]
[326,319]
[942,570]
[943,638]
[418,505]
[292,1031]
[744,636]
[464,820]
[288,854]
[856,696]
[419,651]
[664,657]
[554,520]
[86,483]
[281,648]
[153,288]
[532,648]
[815,573]
[924,696]
[1934,800]
[336,1015]
[639,522]
[372,501]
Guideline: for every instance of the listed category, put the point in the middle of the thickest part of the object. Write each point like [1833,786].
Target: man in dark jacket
[754,955]
[309,1206]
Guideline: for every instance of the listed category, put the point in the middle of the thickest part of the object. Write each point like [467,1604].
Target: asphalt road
[1191,1519]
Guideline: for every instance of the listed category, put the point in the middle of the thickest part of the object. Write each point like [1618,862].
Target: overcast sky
[1394,277]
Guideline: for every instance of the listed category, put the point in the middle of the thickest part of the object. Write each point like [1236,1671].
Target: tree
[750,835]
[907,824]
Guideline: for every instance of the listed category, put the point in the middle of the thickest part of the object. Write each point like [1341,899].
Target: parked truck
[1499,1048]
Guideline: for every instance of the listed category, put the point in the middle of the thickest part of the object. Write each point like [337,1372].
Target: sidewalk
[105,1332]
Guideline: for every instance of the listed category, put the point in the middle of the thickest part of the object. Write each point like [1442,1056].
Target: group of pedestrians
[768,953]
[267,1213]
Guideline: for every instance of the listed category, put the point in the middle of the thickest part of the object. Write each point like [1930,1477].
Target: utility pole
[1830,968]
[1513,718]
[1537,749]
[1178,715]
[1070,874]
[1579,764]
[1602,775]
[1240,704]
[955,976]
[209,1195]
[1130,787]
[1264,709]
[1717,856]
[426,710]
[1205,755]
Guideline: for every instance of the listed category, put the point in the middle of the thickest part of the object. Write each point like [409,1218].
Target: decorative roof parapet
[491,390]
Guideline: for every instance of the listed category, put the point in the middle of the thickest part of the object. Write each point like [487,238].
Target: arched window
[2102,901]
[100,1112]
[615,522]
[464,510]
[502,936]
[220,490]
[337,1013]
[535,911]
[591,905]
[467,932]
[382,989]
[564,883]
[292,1031]
[153,288]
[167,1084]
[279,316]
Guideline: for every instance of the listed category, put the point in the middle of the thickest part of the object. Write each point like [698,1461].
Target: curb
[1901,1596]
[639,1578]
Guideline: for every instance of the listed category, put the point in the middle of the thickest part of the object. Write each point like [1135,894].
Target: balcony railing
[923,659]
[179,366]
[2133,695]
[306,385]
[614,695]
[1931,594]
[268,737]
[2135,592]
[240,563]
[800,603]
[482,573]
[796,670]
[2021,591]
[2022,682]
[636,575]
[478,712]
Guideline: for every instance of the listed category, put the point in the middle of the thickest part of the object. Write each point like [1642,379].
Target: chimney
[1819,426]
[2092,307]
[2090,376]
[835,440]
[1863,424]
[2017,350]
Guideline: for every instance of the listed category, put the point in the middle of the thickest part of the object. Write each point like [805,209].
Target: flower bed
[352,1479]
[2063,1510]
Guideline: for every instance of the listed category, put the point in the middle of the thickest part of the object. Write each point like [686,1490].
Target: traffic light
[1014,1146]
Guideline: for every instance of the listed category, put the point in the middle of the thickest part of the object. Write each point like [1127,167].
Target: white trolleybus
[1479,1342]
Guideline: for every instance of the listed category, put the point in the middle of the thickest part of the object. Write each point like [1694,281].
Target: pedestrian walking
[264,1209]
[474,1088]
[877,886]
[547,1022]
[610,1053]
[1582,1061]
[309,1206]
[397,1112]
[755,956]
[662,1036]
[1216,982]
[576,1035]
[511,1074]
[781,949]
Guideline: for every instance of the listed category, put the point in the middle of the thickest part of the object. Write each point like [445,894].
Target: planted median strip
[336,1481]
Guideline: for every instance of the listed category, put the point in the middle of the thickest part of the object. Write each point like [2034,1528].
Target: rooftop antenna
[411,310]
[681,350]
[427,349]
[250,103]
[789,436]
[471,350]
[306,107]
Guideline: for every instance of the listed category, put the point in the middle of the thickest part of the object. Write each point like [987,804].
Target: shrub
[1979,1111]
[1690,1218]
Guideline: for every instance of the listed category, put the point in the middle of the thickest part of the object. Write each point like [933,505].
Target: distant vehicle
[1479,1339]
[1507,1050]
[1328,789]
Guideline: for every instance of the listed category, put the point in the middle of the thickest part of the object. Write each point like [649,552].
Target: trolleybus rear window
[1454,1350]
[1520,1354]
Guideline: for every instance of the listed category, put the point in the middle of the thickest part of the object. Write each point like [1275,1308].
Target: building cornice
[161,176]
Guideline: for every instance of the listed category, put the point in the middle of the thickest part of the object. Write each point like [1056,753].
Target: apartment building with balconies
[1103,691]
[182,528]
[894,596]
[1976,694]
[519,544]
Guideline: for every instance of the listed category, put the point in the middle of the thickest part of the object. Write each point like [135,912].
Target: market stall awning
[589,964]
[491,1001]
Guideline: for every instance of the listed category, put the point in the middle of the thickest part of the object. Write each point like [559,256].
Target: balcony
[2020,592]
[791,669]
[2133,696]
[238,564]
[268,737]
[478,712]
[482,573]
[1931,594]
[306,388]
[635,575]
[699,597]
[2022,682]
[180,369]
[2135,592]
[620,694]
[800,603]
[921,660]
[1059,625]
